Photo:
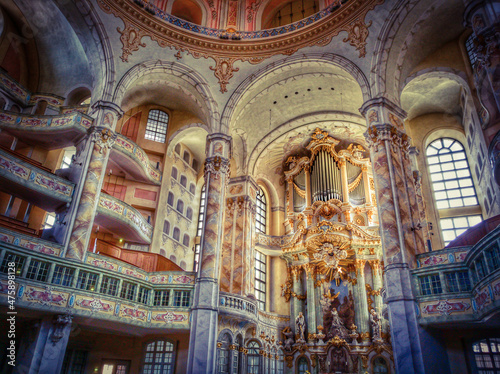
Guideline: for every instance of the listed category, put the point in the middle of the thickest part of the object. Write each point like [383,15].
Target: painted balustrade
[459,284]
[57,284]
[129,216]
[235,303]
[133,151]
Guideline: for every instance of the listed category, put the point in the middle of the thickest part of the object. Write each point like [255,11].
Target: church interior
[250,186]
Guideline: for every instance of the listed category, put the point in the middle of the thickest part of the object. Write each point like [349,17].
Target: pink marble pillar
[237,268]
[400,232]
[204,315]
[216,178]
[99,143]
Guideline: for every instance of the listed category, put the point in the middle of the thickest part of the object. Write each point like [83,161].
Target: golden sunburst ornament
[327,260]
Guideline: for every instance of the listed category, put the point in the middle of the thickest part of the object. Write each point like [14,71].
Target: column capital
[219,144]
[378,134]
[380,110]
[106,114]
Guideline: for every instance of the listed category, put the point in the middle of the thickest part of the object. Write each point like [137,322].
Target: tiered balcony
[49,132]
[101,288]
[133,161]
[24,178]
[122,220]
[459,284]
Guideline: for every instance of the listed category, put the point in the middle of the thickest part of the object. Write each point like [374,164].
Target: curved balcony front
[49,132]
[463,282]
[31,183]
[133,161]
[122,220]
[238,306]
[58,290]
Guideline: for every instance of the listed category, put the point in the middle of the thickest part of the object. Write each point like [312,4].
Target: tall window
[281,363]
[260,279]
[159,358]
[471,51]
[174,173]
[223,355]
[453,186]
[199,231]
[260,217]
[253,358]
[156,128]
[486,355]
[260,259]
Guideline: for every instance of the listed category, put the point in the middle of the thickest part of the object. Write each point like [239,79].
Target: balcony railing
[25,178]
[126,216]
[156,300]
[145,171]
[235,304]
[459,284]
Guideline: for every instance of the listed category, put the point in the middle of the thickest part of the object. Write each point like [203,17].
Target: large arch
[266,74]
[192,87]
[397,51]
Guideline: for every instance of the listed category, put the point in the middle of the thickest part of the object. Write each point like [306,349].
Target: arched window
[180,206]
[183,181]
[199,230]
[170,199]
[453,186]
[159,357]
[189,213]
[166,227]
[185,240]
[178,149]
[177,234]
[173,174]
[173,258]
[186,157]
[156,127]
[183,265]
[253,358]
[303,365]
[380,366]
[260,216]
[192,188]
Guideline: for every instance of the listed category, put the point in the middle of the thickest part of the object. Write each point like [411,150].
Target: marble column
[311,301]
[238,254]
[483,16]
[204,314]
[415,350]
[362,316]
[377,286]
[43,348]
[100,140]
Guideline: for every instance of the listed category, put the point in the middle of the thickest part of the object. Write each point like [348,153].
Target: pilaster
[204,321]
[401,237]
[42,350]
[100,139]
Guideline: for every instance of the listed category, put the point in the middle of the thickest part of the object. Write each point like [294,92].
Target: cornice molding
[225,52]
